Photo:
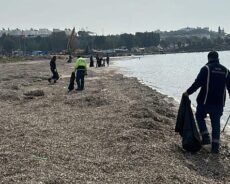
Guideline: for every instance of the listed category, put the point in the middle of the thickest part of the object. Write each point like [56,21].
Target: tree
[227,40]
[8,45]
[147,39]
[219,41]
[126,40]
[100,42]
[164,43]
[58,41]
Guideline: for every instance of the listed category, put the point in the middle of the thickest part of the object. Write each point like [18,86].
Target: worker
[213,80]
[81,71]
[107,59]
[91,61]
[53,68]
[69,59]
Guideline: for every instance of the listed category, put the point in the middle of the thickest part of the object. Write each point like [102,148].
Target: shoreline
[176,102]
[115,131]
[175,98]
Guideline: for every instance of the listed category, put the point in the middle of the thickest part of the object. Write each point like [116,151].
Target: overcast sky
[115,16]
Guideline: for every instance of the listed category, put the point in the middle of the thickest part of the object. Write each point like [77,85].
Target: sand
[115,131]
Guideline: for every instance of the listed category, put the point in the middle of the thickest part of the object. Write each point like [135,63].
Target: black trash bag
[71,81]
[186,126]
[56,75]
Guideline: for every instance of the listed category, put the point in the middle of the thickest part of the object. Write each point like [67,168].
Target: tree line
[54,43]
[57,42]
[195,43]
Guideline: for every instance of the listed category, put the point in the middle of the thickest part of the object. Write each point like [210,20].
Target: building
[221,32]
[15,32]
[32,33]
[68,32]
[44,32]
[56,30]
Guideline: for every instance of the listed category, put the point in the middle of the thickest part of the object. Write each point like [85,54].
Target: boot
[215,147]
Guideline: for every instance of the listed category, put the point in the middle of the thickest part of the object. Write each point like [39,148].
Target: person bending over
[81,71]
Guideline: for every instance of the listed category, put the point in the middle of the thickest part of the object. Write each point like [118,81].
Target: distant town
[45,41]
[184,32]
[32,32]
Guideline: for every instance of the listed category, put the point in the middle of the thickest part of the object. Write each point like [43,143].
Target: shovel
[225,124]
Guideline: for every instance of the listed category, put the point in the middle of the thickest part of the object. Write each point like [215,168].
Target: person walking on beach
[107,60]
[103,61]
[91,64]
[69,59]
[81,71]
[97,61]
[53,68]
[213,80]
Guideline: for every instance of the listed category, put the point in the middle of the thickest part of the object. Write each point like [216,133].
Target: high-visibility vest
[80,62]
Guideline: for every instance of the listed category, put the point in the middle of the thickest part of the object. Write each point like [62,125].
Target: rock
[15,87]
[34,93]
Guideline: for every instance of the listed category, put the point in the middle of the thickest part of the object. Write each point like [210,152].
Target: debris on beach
[34,93]
[116,130]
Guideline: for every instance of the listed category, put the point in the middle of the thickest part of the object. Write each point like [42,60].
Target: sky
[115,16]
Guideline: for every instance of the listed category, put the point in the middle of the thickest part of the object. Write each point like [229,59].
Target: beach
[115,131]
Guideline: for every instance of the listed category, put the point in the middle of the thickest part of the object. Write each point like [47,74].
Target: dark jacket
[52,65]
[213,79]
[186,126]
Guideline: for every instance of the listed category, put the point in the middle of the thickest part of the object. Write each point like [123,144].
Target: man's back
[213,80]
[216,84]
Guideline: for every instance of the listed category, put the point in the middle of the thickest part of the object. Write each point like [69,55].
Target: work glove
[185,93]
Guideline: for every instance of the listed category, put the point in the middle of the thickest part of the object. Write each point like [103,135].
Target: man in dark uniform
[213,80]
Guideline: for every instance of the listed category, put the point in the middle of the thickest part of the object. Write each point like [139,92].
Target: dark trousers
[215,113]
[80,79]
[55,75]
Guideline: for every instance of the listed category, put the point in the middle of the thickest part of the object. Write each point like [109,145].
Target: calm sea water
[171,74]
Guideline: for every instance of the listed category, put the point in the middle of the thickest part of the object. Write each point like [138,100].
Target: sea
[171,74]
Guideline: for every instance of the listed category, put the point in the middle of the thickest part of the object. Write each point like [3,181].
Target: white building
[56,30]
[4,31]
[33,32]
[44,32]
[30,33]
[15,32]
[68,32]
